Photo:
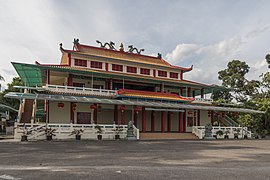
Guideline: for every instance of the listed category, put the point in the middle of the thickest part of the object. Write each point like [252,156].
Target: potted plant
[226,136]
[117,130]
[99,131]
[78,133]
[219,133]
[236,133]
[26,133]
[49,132]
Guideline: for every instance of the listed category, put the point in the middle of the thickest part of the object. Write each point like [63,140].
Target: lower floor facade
[144,118]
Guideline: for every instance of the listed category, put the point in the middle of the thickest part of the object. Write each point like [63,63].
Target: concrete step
[149,136]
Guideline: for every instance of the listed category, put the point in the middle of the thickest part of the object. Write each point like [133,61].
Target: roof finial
[121,47]
[159,55]
[61,46]
[76,41]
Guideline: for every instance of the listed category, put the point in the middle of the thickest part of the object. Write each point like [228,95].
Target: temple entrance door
[191,120]
[83,118]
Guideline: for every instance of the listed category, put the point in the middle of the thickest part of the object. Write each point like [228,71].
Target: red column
[143,120]
[69,59]
[71,113]
[115,114]
[212,117]
[152,121]
[111,84]
[107,67]
[199,117]
[181,91]
[181,75]
[122,117]
[169,121]
[189,92]
[162,121]
[135,115]
[184,121]
[194,118]
[95,114]
[180,122]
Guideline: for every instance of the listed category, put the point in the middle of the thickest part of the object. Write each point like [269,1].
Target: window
[131,69]
[173,75]
[117,67]
[95,64]
[79,62]
[162,73]
[145,71]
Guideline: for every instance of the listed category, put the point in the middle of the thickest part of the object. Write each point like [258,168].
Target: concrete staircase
[156,136]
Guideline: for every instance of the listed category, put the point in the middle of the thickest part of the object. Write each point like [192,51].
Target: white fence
[80,90]
[231,132]
[203,100]
[64,131]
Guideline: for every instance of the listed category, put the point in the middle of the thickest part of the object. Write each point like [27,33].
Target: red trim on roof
[149,93]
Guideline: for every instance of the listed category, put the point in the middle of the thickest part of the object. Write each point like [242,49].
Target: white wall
[204,118]
[59,115]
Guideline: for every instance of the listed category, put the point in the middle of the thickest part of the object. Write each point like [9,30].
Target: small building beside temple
[109,87]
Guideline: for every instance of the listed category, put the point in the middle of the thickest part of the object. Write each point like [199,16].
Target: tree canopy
[253,94]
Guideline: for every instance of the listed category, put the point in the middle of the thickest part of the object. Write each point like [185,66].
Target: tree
[253,94]
[267,58]
[8,101]
[233,77]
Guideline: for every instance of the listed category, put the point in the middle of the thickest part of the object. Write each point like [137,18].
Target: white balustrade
[199,131]
[64,131]
[203,100]
[79,90]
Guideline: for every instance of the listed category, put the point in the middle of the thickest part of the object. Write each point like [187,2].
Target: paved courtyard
[169,159]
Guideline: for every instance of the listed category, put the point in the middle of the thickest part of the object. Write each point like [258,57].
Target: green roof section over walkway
[30,74]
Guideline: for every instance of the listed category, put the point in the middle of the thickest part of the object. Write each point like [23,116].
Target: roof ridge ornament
[110,44]
[131,49]
[75,42]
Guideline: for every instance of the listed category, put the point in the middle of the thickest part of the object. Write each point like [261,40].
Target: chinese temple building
[103,85]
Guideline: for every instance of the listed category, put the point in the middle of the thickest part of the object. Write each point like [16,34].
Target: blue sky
[206,34]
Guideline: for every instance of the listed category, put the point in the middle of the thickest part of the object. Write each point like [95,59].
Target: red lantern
[223,114]
[123,108]
[93,106]
[209,113]
[137,109]
[74,107]
[234,114]
[60,105]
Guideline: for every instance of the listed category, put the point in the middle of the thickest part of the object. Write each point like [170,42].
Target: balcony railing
[202,100]
[80,90]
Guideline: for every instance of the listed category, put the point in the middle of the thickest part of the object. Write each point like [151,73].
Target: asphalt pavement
[166,159]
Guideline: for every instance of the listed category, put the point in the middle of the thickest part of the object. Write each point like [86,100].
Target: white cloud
[209,59]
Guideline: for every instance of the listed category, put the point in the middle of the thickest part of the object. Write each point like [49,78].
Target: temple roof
[35,75]
[81,49]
